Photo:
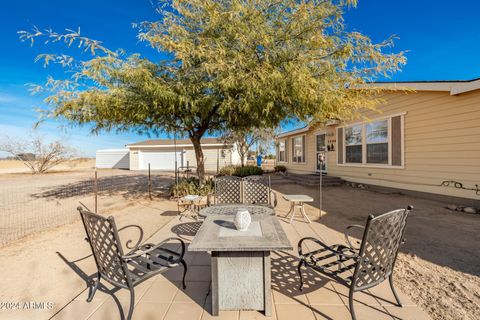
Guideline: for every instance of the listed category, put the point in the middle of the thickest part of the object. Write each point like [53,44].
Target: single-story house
[426,140]
[161,153]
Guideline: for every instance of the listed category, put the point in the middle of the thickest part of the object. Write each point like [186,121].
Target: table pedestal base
[241,280]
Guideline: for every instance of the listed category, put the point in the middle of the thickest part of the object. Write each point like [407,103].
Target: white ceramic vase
[242,220]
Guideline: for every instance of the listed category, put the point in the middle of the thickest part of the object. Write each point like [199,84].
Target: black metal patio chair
[228,190]
[258,190]
[126,270]
[255,190]
[363,267]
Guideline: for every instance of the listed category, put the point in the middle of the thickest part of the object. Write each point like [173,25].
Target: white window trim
[364,163]
[286,151]
[303,151]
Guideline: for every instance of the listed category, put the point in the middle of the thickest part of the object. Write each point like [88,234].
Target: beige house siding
[210,155]
[441,143]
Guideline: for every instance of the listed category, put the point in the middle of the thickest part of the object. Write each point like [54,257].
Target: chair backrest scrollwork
[103,237]
[247,190]
[228,190]
[256,190]
[380,244]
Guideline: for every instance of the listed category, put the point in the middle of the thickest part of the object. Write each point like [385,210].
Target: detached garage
[112,159]
[158,160]
[161,154]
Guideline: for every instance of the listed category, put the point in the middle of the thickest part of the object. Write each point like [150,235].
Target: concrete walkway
[162,297]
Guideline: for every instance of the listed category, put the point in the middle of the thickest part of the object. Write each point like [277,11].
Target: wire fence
[30,204]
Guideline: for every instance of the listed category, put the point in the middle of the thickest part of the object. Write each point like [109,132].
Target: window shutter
[286,150]
[396,141]
[293,149]
[303,149]
[278,150]
[340,145]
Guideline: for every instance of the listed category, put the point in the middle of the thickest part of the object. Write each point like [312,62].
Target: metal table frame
[297,202]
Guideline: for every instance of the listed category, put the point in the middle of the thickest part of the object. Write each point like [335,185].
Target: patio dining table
[240,260]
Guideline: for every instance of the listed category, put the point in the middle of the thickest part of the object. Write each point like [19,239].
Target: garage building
[161,154]
[112,159]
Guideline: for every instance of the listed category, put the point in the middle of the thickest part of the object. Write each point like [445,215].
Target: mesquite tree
[39,156]
[232,64]
[245,139]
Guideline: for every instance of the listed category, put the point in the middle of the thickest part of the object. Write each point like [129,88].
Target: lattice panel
[381,247]
[105,247]
[228,190]
[257,190]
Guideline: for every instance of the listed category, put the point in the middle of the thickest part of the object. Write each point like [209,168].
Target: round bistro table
[233,208]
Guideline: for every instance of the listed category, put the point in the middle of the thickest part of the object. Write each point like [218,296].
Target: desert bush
[280,169]
[248,171]
[191,186]
[228,170]
[239,171]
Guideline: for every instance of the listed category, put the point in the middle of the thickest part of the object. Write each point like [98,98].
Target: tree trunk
[200,159]
[243,151]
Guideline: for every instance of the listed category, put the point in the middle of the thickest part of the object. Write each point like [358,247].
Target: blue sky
[443,40]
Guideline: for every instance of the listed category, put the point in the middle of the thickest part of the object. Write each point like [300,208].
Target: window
[281,151]
[377,141]
[353,144]
[298,150]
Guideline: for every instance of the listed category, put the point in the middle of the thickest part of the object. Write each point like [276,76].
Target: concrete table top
[297,198]
[212,237]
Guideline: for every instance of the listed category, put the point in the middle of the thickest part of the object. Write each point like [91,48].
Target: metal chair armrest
[140,238]
[336,252]
[140,251]
[347,236]
[209,199]
[275,202]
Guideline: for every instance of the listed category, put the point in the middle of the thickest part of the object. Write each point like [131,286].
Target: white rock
[469,210]
[452,207]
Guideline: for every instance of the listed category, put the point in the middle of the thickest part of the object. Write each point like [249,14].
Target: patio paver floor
[162,297]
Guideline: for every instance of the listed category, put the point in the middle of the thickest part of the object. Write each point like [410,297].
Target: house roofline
[129,146]
[454,87]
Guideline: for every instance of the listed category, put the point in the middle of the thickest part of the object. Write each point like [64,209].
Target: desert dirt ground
[16,166]
[438,266]
[38,267]
[31,203]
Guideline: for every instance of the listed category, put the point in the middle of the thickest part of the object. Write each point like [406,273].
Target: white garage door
[159,160]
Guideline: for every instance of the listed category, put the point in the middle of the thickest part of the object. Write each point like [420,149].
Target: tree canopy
[233,64]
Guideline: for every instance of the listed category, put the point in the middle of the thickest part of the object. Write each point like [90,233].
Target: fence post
[149,183]
[95,189]
[218,161]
